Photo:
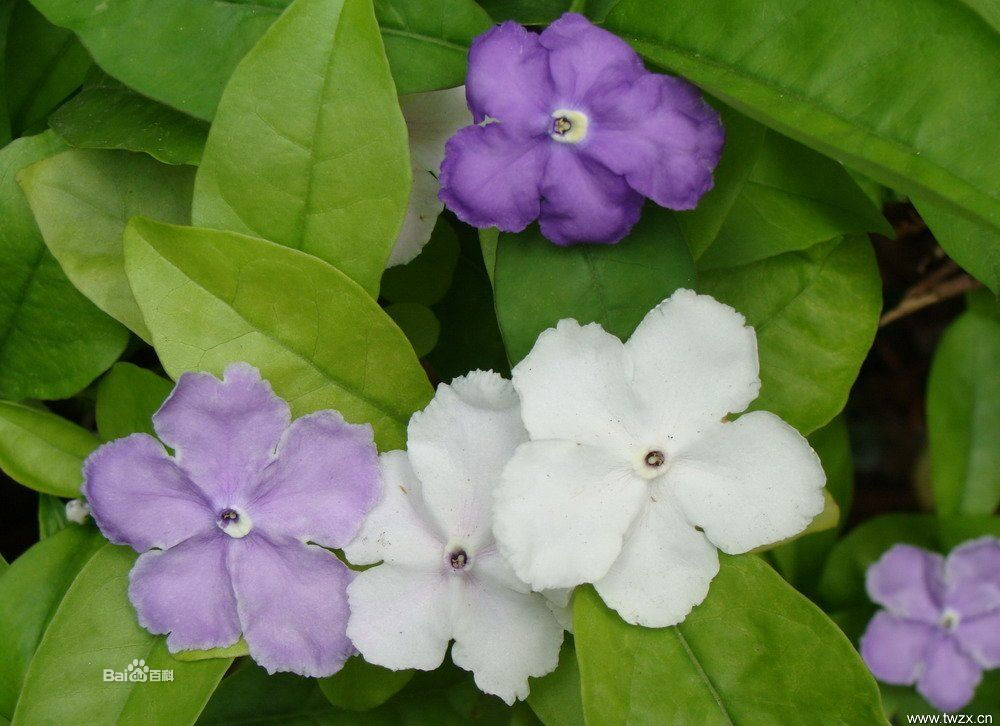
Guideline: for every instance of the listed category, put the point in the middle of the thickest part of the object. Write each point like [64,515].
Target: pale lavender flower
[229,525]
[940,628]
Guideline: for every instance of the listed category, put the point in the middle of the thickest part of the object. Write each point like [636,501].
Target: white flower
[634,476]
[77,510]
[431,118]
[442,577]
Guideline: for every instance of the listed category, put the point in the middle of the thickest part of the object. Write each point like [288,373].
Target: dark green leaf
[556,698]
[418,324]
[6,10]
[127,398]
[528,12]
[974,246]
[361,686]
[426,279]
[51,515]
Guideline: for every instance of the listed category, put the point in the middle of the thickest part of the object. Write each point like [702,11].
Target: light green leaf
[127,398]
[211,298]
[418,324]
[95,629]
[43,451]
[236,650]
[846,78]
[309,146]
[815,313]
[361,686]
[974,246]
[755,651]
[30,592]
[51,515]
[82,199]
[556,698]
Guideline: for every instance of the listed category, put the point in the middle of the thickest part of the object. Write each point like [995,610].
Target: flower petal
[292,603]
[223,432]
[575,384]
[186,591]
[138,496]
[980,638]
[907,581]
[400,617]
[458,444]
[661,136]
[584,202]
[695,361]
[748,483]
[491,177]
[562,510]
[894,648]
[322,483]
[950,677]
[504,637]
[972,577]
[663,571]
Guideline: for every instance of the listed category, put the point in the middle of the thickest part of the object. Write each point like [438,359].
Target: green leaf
[109,115]
[963,416]
[127,398]
[30,591]
[211,298]
[83,198]
[538,283]
[901,703]
[974,246]
[815,313]
[528,12]
[556,698]
[6,11]
[426,278]
[845,78]
[236,650]
[43,451]
[418,324]
[95,629]
[755,651]
[51,515]
[53,341]
[309,146]
[361,686]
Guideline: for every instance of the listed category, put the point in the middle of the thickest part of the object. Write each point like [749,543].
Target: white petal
[561,511]
[400,618]
[694,361]
[504,637]
[664,570]
[458,445]
[559,603]
[748,483]
[397,530]
[431,118]
[576,384]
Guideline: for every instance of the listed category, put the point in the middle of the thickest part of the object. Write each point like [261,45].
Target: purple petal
[894,647]
[186,591]
[140,497]
[490,177]
[508,79]
[584,202]
[950,677]
[980,638]
[292,604]
[223,432]
[972,577]
[322,483]
[907,581]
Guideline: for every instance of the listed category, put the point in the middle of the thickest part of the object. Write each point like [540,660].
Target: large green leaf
[755,651]
[309,145]
[815,313]
[963,416]
[538,283]
[82,199]
[6,11]
[974,246]
[30,592]
[530,12]
[361,686]
[95,630]
[53,341]
[556,698]
[212,297]
[43,451]
[127,398]
[905,92]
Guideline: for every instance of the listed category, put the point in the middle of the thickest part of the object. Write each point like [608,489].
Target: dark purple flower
[226,524]
[940,627]
[577,132]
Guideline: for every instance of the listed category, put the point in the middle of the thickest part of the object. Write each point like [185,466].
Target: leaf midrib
[703,675]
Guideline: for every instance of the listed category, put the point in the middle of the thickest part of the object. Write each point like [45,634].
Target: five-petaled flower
[574,131]
[442,577]
[634,474]
[940,627]
[227,525]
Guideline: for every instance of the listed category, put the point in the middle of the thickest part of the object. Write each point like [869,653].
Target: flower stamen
[458,560]
[234,522]
[569,127]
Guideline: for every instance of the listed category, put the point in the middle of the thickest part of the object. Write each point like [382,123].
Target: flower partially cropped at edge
[634,475]
[574,131]
[441,576]
[940,628]
[225,525]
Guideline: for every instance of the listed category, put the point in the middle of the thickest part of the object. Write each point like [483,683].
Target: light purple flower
[226,524]
[577,132]
[940,627]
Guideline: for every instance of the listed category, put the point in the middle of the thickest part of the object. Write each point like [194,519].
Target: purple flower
[577,132]
[940,627]
[226,524]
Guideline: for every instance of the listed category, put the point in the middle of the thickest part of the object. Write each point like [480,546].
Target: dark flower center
[229,515]
[655,459]
[949,620]
[458,560]
[562,125]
